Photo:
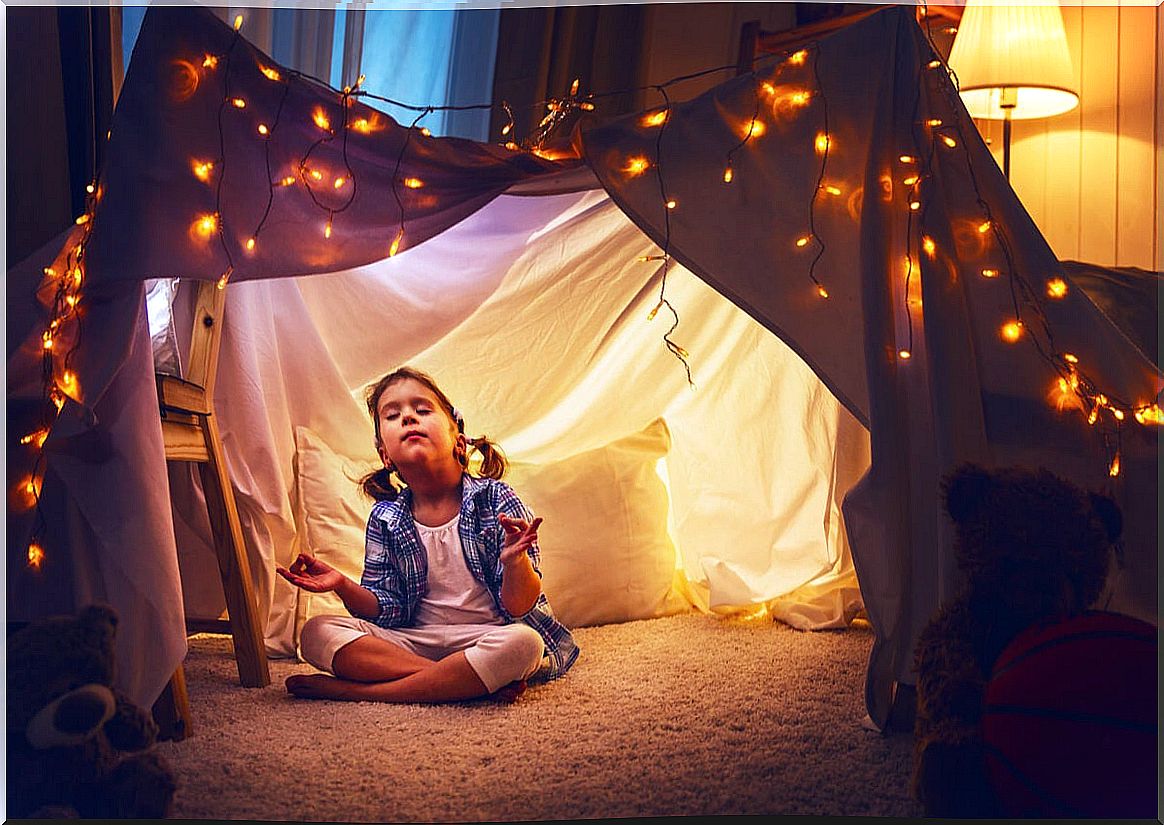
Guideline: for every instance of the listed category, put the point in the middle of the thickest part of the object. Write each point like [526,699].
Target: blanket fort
[837,195]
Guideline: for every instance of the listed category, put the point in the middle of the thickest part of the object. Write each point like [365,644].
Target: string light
[832,190]
[821,291]
[984,227]
[1011,331]
[321,119]
[803,240]
[929,246]
[81,219]
[907,159]
[339,182]
[904,354]
[238,22]
[250,244]
[636,165]
[1056,288]
[949,141]
[413,183]
[728,174]
[914,205]
[990,273]
[671,204]
[238,103]
[202,169]
[1114,469]
[263,130]
[327,229]
[35,556]
[654,118]
[823,143]
[270,73]
[911,180]
[392,250]
[224,277]
[209,62]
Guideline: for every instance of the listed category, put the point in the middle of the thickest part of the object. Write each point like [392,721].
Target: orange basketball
[1070,720]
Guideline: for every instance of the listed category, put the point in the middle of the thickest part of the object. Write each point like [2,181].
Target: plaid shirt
[396,565]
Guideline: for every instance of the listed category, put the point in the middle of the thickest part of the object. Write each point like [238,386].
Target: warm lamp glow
[1013,62]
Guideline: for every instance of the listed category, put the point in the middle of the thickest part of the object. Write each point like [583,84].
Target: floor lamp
[1012,64]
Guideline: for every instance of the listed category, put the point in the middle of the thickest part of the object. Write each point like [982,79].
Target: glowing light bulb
[250,244]
[767,88]
[800,98]
[392,250]
[949,141]
[316,174]
[209,62]
[933,64]
[636,166]
[1069,358]
[803,240]
[1063,386]
[36,438]
[1056,288]
[753,128]
[339,182]
[907,159]
[206,225]
[50,272]
[914,205]
[798,58]
[413,183]
[47,340]
[269,72]
[655,311]
[1091,418]
[929,246]
[904,354]
[82,219]
[224,277]
[728,174]
[823,143]
[202,169]
[821,291]
[990,273]
[1114,469]
[238,22]
[71,300]
[506,129]
[984,227]
[1011,331]
[933,121]
[321,120]
[832,190]
[69,379]
[263,130]
[424,130]
[90,189]
[327,229]
[654,118]
[35,556]
[287,181]
[238,103]
[1118,413]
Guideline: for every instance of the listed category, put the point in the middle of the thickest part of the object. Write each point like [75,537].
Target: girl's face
[415,430]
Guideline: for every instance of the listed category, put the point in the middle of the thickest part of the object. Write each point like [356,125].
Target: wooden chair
[190,433]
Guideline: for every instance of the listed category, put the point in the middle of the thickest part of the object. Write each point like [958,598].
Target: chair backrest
[206,336]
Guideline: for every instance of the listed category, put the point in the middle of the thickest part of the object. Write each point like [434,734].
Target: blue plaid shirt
[396,565]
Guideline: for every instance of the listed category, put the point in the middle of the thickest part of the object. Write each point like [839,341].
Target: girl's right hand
[311,574]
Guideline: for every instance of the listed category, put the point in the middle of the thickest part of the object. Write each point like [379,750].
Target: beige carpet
[680,716]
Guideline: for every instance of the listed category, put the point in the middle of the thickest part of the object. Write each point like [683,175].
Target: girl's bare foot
[315,686]
[510,692]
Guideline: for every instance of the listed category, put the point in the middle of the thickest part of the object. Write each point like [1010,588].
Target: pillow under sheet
[332,514]
[606,554]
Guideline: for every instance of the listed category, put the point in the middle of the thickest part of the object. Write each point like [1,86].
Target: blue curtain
[442,57]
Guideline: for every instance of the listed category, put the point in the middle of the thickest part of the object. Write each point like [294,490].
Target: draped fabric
[535,308]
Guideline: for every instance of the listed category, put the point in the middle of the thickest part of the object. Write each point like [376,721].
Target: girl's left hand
[519,537]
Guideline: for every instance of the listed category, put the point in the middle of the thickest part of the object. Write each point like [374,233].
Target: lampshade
[1013,58]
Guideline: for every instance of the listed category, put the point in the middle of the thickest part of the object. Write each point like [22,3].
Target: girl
[449,606]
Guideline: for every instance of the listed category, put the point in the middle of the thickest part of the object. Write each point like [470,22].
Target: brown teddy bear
[1032,548]
[77,747]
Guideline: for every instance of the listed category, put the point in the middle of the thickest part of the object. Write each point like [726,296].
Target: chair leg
[172,709]
[232,563]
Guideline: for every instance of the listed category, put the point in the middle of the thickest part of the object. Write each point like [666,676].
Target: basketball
[1070,721]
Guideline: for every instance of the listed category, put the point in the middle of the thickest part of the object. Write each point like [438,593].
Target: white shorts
[498,653]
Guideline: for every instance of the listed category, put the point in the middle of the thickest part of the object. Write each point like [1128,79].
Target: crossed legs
[371,668]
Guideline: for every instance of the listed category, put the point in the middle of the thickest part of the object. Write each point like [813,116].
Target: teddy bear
[1031,548]
[78,747]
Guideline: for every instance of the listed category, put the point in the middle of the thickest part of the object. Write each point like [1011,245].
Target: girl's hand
[519,537]
[311,574]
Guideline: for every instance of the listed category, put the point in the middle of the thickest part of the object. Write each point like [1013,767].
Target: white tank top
[453,596]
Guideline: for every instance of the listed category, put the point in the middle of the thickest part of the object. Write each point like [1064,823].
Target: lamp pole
[1007,100]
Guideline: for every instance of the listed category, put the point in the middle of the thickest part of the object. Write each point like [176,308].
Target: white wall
[1091,178]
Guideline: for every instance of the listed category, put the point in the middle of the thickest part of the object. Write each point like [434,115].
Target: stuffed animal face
[1031,539]
[56,656]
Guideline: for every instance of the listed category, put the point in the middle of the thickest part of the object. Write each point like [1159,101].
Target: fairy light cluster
[64,281]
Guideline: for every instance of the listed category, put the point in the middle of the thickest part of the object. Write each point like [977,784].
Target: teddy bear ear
[966,489]
[1109,515]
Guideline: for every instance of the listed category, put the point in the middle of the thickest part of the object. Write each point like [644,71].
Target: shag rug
[687,715]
